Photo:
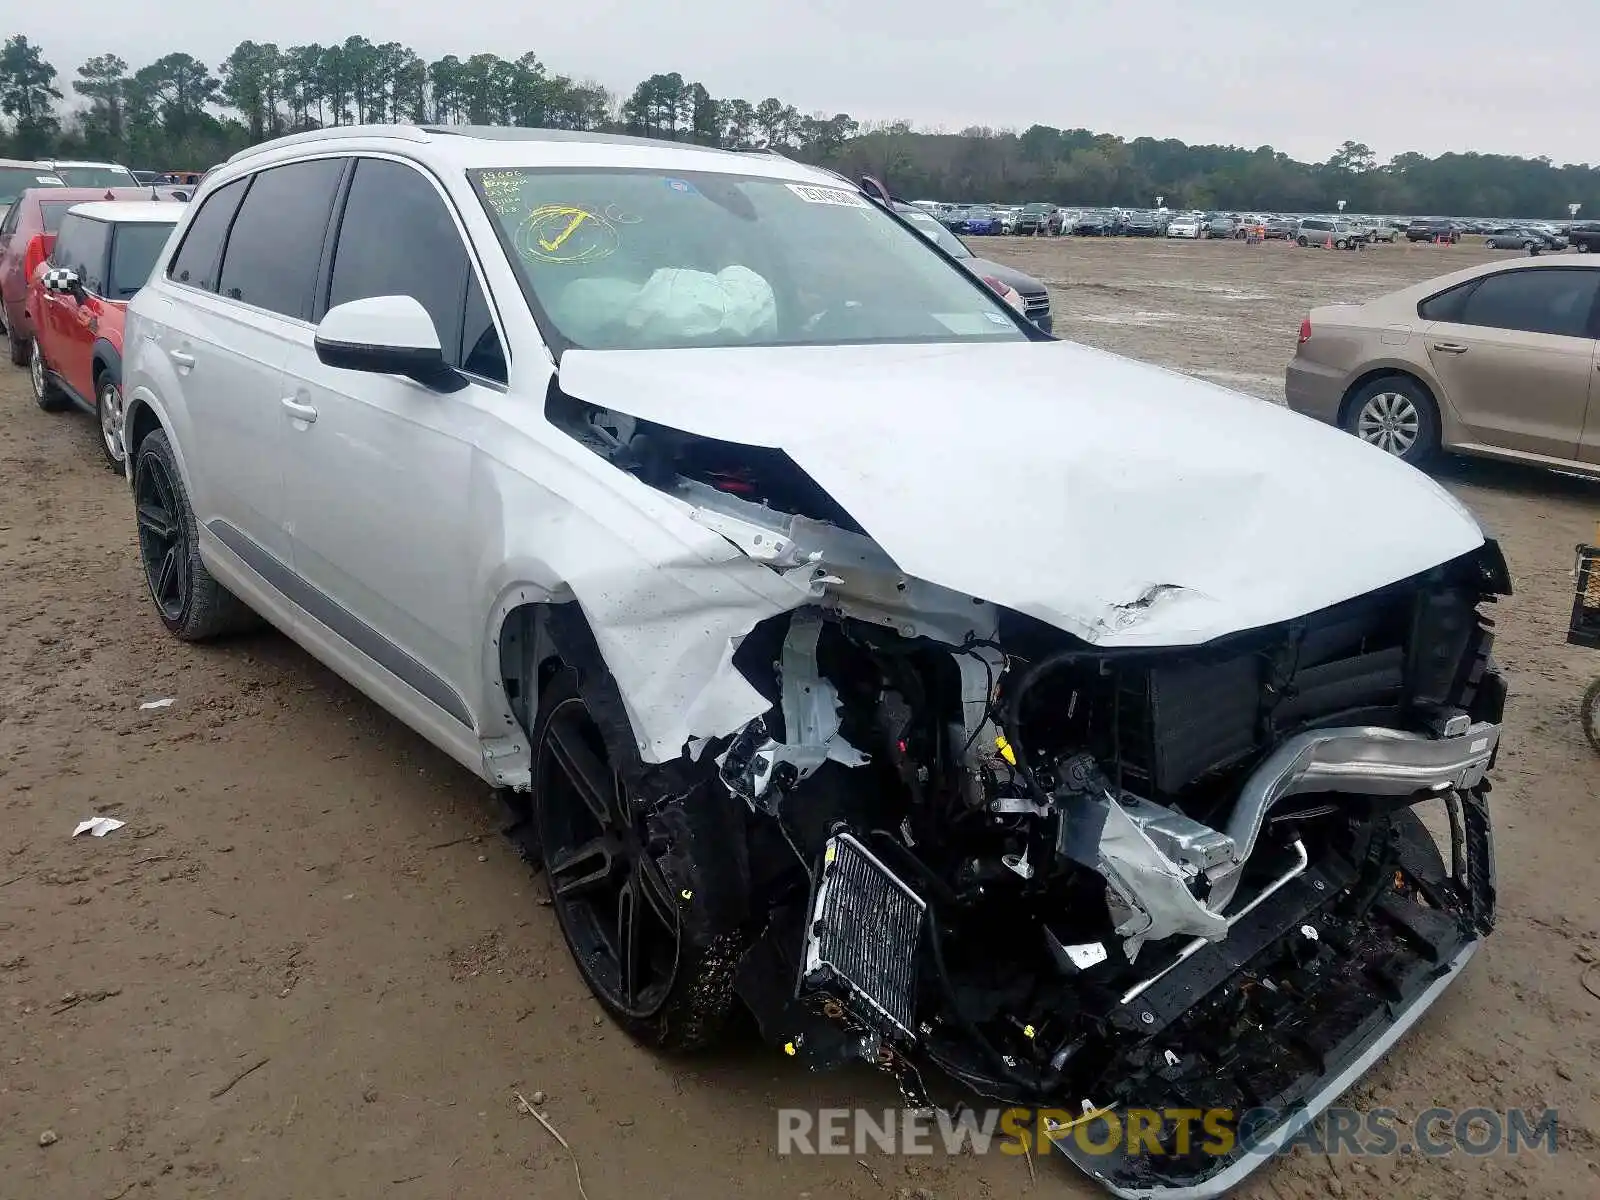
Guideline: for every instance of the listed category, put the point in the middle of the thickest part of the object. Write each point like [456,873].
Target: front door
[378,468]
[1518,363]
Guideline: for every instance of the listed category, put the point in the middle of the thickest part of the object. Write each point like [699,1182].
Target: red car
[78,304]
[26,233]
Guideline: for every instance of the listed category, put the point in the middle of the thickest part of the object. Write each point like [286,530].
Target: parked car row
[1344,230]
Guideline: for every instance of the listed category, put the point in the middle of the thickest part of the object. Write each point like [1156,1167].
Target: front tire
[1589,714]
[1396,414]
[191,603]
[626,883]
[1302,240]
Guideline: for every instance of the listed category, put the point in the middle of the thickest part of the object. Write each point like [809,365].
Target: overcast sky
[1428,75]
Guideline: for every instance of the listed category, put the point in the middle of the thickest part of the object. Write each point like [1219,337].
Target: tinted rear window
[196,260]
[134,250]
[52,214]
[14,179]
[275,245]
[97,177]
[1558,302]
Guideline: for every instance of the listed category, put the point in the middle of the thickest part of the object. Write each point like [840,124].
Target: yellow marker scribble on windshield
[564,233]
[578,218]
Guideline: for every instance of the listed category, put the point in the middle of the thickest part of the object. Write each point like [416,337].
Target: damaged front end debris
[1075,876]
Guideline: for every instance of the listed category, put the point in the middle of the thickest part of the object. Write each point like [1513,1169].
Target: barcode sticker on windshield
[827,195]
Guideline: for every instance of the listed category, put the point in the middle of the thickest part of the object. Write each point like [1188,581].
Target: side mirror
[384,335]
[62,279]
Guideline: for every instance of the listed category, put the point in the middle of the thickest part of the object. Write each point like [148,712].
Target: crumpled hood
[1121,502]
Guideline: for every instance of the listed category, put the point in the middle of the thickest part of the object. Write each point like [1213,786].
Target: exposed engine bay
[1089,877]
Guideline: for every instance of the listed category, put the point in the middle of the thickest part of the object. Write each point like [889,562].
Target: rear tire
[191,603]
[1396,414]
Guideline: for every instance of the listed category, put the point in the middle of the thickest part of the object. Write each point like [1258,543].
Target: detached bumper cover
[1265,1143]
[1353,991]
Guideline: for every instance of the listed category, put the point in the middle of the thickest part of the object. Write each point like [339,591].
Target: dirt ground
[309,966]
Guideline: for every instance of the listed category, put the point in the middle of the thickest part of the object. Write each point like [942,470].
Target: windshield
[97,177]
[134,251]
[635,259]
[937,234]
[14,179]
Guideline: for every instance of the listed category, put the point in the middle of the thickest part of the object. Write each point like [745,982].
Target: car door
[247,266]
[61,322]
[78,316]
[1516,358]
[378,467]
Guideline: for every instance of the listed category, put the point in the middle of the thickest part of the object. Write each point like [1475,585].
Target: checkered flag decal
[55,278]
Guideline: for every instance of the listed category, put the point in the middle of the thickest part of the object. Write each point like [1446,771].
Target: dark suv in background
[1038,218]
[1432,229]
[1585,235]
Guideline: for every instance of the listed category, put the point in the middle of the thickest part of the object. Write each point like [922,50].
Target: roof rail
[407,133]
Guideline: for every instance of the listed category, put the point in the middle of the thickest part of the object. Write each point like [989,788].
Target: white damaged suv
[949,696]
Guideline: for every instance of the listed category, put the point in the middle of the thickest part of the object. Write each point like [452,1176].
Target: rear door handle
[183,359]
[1449,347]
[300,412]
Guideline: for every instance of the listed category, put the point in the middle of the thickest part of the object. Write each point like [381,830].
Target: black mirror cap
[424,364]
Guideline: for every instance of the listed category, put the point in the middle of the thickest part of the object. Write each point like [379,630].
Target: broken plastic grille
[865,929]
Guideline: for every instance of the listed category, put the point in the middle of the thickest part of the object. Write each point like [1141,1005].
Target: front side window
[631,259]
[81,248]
[275,245]
[1555,301]
[96,177]
[201,252]
[135,247]
[397,238]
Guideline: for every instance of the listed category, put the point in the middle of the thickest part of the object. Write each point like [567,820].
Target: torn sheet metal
[1149,893]
[810,722]
[1123,503]
[667,599]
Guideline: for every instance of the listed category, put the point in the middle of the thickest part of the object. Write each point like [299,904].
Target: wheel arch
[1372,374]
[104,357]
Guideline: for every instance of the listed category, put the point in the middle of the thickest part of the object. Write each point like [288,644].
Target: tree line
[176,113]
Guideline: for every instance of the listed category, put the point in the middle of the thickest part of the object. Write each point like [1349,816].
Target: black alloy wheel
[614,905]
[163,538]
[188,598]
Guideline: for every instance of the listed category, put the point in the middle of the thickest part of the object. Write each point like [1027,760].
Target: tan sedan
[1498,360]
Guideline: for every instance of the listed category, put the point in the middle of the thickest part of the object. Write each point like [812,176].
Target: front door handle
[1449,347]
[183,359]
[300,412]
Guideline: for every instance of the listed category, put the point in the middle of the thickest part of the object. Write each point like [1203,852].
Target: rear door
[378,467]
[1516,360]
[246,267]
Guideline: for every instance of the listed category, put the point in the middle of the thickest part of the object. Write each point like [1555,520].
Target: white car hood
[1123,503]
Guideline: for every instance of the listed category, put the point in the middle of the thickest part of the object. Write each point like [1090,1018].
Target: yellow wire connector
[1006,752]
